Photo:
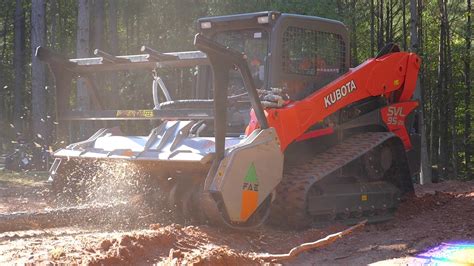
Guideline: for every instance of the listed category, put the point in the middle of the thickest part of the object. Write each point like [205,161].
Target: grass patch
[32,178]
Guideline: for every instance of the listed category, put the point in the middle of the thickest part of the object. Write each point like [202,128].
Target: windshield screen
[254,43]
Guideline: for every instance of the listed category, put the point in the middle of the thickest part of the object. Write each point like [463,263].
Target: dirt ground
[434,227]
[22,192]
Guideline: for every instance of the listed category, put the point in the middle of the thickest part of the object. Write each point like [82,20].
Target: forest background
[440,31]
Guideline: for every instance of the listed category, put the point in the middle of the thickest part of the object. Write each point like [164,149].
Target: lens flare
[450,253]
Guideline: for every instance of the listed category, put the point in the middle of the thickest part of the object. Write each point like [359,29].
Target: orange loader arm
[393,76]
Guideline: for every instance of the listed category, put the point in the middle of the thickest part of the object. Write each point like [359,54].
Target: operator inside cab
[310,60]
[252,42]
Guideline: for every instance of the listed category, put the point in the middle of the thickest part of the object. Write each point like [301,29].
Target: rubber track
[289,207]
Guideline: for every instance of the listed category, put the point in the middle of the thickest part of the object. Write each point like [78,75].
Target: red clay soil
[422,221]
[16,197]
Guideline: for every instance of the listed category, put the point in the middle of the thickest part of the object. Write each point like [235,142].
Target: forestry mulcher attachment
[278,127]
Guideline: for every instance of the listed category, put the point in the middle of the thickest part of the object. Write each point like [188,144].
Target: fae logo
[249,193]
[340,93]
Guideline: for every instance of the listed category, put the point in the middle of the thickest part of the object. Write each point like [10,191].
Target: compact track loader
[279,127]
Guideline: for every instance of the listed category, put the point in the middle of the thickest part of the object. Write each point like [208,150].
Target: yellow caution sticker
[396,82]
[128,153]
[364,197]
[134,113]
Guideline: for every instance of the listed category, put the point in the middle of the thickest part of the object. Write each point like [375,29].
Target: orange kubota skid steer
[279,127]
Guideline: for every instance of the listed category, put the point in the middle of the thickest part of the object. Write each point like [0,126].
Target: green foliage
[169,25]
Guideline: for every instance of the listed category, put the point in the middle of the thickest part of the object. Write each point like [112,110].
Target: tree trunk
[114,47]
[127,28]
[434,136]
[404,25]
[38,71]
[413,26]
[450,94]
[425,173]
[83,50]
[3,91]
[445,149]
[54,24]
[388,23]
[99,25]
[63,35]
[113,27]
[19,63]
[420,28]
[380,41]
[354,33]
[138,22]
[468,95]
[372,31]
[99,43]
[52,36]
[442,111]
[4,36]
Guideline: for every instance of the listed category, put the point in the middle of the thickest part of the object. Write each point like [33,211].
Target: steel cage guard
[65,70]
[222,60]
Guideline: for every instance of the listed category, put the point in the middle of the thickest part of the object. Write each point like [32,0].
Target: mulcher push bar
[65,70]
